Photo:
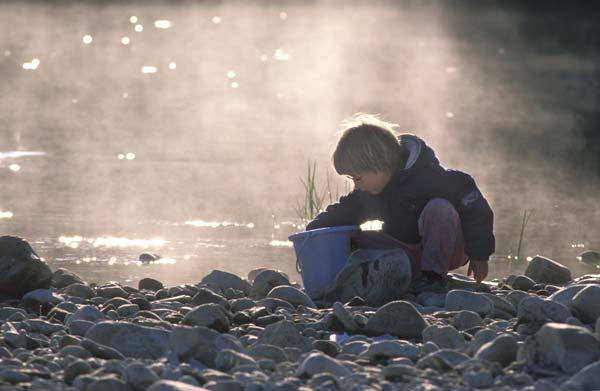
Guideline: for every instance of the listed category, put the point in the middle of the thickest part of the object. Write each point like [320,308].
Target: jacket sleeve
[347,211]
[476,216]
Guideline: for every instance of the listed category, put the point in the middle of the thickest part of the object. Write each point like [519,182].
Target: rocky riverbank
[537,331]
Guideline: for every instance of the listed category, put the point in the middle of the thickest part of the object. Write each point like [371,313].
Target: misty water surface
[183,128]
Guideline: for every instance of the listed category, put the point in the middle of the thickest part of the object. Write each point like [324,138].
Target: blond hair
[367,144]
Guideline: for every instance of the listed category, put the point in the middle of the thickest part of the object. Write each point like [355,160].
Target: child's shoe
[428,281]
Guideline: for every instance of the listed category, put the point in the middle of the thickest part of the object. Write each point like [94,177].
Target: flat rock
[586,303]
[560,346]
[565,295]
[546,271]
[88,313]
[110,291]
[221,280]
[205,296]
[284,334]
[130,339]
[399,318]
[266,280]
[208,315]
[316,363]
[201,343]
[459,299]
[442,359]
[292,295]
[227,359]
[21,269]
[522,283]
[62,278]
[502,349]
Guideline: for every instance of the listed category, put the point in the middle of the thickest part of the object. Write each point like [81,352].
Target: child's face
[371,182]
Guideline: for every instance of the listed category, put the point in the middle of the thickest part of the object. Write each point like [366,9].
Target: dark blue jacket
[401,202]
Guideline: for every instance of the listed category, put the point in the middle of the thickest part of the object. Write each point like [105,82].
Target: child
[438,216]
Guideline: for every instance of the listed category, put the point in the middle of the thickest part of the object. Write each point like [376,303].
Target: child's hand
[479,269]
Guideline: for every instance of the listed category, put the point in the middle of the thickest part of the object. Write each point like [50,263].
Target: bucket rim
[325,230]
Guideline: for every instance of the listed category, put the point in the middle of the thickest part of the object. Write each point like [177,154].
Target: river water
[184,129]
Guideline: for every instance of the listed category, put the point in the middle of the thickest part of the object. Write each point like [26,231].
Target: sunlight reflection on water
[217,224]
[111,241]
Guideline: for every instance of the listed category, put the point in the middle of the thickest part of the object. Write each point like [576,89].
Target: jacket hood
[419,156]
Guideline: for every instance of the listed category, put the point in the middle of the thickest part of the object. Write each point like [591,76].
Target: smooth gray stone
[43,296]
[227,359]
[205,296]
[109,383]
[344,316]
[587,379]
[130,339]
[79,290]
[208,315]
[316,363]
[76,368]
[21,269]
[170,385]
[271,352]
[42,326]
[88,312]
[464,320]
[502,349]
[80,327]
[442,359]
[201,344]
[127,310]
[515,297]
[523,283]
[62,278]
[284,334]
[265,281]
[479,339]
[399,318]
[150,284]
[446,337]
[101,351]
[391,349]
[75,351]
[587,303]
[110,291]
[546,271]
[501,304]
[459,299]
[139,376]
[479,379]
[7,312]
[536,309]
[292,295]
[556,345]
[221,280]
[565,295]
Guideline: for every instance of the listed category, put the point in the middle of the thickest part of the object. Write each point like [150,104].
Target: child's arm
[347,211]
[476,216]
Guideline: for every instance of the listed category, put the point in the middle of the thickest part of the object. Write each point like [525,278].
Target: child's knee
[440,207]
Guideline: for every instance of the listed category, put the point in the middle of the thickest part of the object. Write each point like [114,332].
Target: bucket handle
[298,268]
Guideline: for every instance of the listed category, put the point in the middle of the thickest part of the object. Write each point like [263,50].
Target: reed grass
[526,216]
[315,199]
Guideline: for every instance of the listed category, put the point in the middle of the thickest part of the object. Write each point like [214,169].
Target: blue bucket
[321,253]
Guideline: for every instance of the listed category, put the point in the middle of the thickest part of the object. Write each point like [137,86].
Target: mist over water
[183,128]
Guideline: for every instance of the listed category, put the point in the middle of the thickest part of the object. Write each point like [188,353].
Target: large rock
[21,269]
[399,318]
[587,303]
[546,271]
[284,334]
[446,337]
[316,363]
[62,278]
[391,349]
[502,349]
[565,295]
[139,376]
[292,295]
[536,309]
[267,280]
[221,281]
[560,346]
[201,343]
[586,379]
[458,299]
[378,276]
[208,315]
[130,339]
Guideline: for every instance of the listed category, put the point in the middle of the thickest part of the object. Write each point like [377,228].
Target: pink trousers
[442,246]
